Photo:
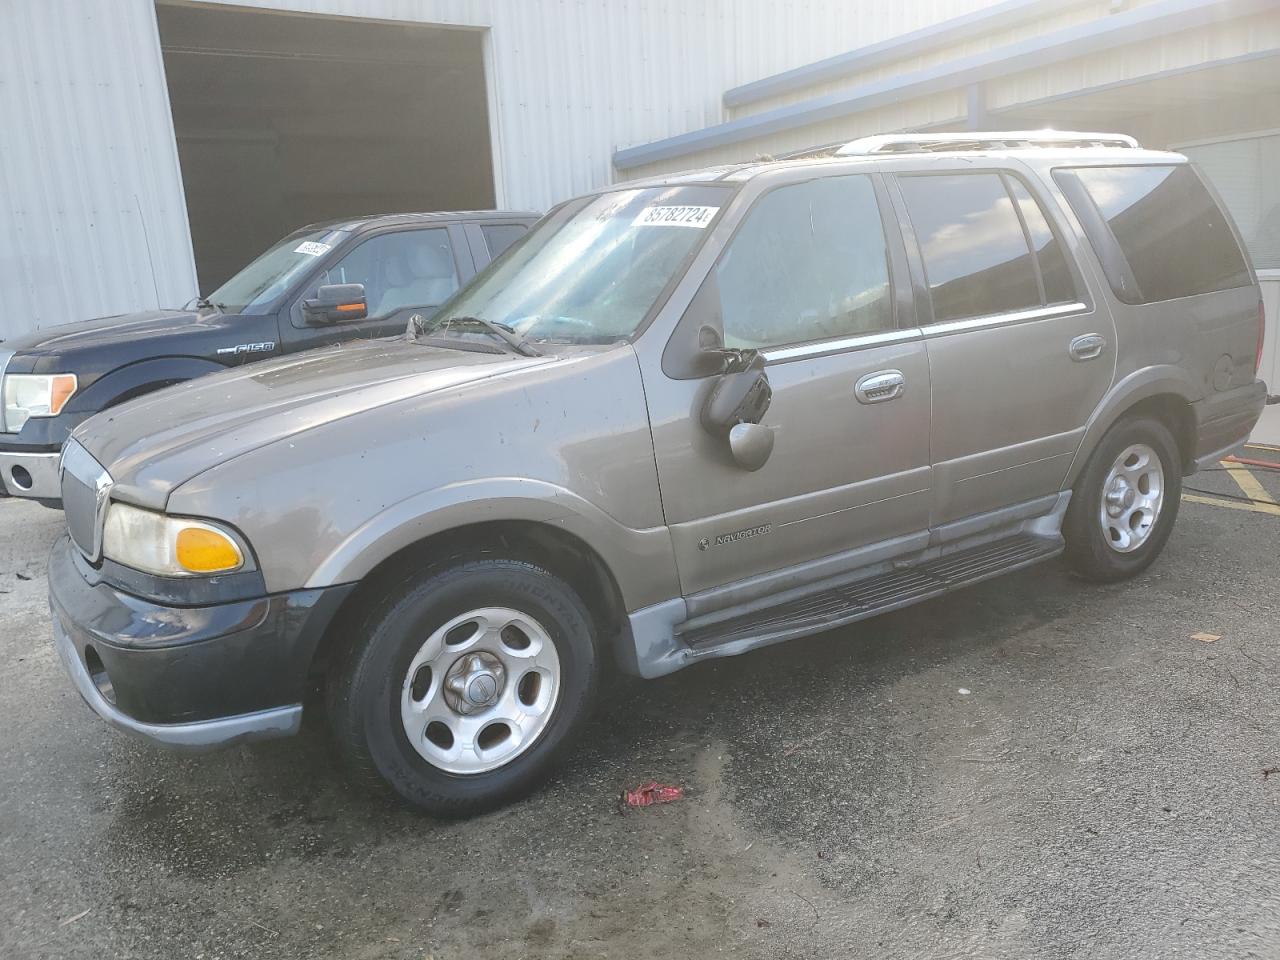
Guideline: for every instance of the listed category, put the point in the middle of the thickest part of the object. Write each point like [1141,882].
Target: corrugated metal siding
[872,25]
[92,217]
[1231,38]
[573,80]
[570,82]
[1228,39]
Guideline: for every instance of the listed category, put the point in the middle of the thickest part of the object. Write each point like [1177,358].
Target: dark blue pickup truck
[322,284]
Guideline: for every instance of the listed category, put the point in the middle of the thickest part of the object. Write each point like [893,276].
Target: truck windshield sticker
[673,216]
[311,248]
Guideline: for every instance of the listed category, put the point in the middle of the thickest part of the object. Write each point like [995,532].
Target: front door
[806,279]
[404,271]
[1018,356]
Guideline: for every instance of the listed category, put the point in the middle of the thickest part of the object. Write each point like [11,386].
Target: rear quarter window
[1157,230]
[499,236]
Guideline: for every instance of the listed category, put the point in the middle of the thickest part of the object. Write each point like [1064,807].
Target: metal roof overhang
[1001,16]
[1142,24]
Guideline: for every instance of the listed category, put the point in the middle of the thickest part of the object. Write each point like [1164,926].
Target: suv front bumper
[192,678]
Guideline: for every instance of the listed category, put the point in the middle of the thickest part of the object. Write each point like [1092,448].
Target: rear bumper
[33,475]
[1224,422]
[187,677]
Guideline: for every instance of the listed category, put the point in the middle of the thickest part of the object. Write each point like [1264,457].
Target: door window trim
[821,348]
[1003,319]
[924,299]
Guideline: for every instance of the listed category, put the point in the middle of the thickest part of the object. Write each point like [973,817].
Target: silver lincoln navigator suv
[681,419]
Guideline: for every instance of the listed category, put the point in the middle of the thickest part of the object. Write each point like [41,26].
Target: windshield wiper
[203,303]
[500,330]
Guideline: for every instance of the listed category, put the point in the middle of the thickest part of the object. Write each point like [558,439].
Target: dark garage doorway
[286,119]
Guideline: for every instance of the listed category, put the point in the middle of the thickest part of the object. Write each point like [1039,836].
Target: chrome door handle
[880,386]
[1087,346]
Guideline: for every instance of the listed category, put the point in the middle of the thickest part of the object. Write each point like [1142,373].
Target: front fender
[1161,380]
[642,561]
[135,379]
[109,389]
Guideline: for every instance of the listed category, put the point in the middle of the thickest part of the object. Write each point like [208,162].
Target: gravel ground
[1034,767]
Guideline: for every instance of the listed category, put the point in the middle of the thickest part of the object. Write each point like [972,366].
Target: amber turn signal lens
[201,550]
[61,387]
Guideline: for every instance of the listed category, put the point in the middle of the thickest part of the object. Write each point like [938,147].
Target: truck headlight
[168,546]
[29,395]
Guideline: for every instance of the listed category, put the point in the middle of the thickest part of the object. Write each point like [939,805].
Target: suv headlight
[168,546]
[29,395]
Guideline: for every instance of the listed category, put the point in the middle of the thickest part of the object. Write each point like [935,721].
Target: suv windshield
[591,271]
[267,278]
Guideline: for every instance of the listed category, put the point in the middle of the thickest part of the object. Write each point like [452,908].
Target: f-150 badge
[239,348]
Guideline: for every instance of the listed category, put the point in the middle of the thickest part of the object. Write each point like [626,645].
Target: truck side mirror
[334,303]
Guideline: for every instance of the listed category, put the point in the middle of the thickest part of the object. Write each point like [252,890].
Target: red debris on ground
[647,794]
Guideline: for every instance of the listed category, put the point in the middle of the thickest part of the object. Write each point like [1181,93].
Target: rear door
[404,271]
[808,279]
[489,239]
[1019,355]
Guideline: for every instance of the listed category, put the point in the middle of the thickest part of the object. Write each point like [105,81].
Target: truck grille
[86,487]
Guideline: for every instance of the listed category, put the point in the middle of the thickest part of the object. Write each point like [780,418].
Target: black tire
[363,691]
[1089,553]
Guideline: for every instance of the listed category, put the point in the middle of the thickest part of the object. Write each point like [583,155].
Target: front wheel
[1125,503]
[469,686]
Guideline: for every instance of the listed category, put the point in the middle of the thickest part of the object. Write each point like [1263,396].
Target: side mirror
[750,445]
[735,406]
[336,302]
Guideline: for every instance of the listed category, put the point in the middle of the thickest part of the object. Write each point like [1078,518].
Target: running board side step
[868,597]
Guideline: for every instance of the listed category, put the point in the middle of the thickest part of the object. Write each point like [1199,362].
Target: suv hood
[154,444]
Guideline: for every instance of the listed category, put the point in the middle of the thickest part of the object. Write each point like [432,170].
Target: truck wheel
[470,684]
[1124,505]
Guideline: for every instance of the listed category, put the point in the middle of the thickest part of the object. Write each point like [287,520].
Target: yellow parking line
[1248,483]
[1233,504]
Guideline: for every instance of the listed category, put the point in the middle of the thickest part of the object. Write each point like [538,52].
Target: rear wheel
[469,686]
[1124,506]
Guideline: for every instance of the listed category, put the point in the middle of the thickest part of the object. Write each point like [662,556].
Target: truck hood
[90,334]
[154,444]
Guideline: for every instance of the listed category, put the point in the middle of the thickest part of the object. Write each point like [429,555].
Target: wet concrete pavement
[1098,792]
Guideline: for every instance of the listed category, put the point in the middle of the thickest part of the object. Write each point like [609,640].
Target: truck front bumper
[33,475]
[192,678]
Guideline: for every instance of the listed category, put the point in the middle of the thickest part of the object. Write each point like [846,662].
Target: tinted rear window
[1173,237]
[499,236]
[975,253]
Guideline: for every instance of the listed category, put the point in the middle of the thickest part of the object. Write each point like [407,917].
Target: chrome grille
[86,489]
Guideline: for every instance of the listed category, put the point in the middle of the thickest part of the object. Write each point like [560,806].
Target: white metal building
[150,148]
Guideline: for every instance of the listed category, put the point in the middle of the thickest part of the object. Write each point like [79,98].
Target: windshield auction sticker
[311,248]
[675,217]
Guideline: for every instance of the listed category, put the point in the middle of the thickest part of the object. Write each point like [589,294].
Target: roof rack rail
[983,140]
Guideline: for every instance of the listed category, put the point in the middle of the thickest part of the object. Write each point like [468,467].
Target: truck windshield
[255,288]
[591,271]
